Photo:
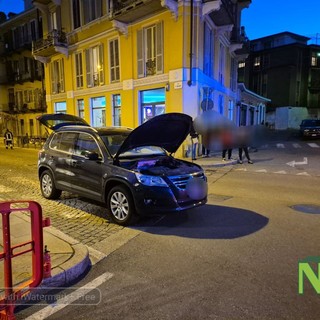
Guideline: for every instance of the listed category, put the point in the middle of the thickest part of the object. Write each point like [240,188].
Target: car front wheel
[121,206]
[48,189]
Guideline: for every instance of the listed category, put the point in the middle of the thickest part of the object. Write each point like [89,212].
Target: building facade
[124,62]
[286,69]
[22,90]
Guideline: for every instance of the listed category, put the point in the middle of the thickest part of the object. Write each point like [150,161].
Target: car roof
[100,131]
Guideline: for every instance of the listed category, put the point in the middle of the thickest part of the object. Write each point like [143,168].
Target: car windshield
[144,151]
[113,141]
[311,123]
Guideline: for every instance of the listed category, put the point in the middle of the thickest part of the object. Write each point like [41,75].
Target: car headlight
[151,181]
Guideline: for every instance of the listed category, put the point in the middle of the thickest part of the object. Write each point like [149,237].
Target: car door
[59,157]
[87,179]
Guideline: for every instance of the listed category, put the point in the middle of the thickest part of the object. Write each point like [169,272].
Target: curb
[71,270]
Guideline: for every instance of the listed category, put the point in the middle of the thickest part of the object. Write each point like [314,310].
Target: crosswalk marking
[262,170]
[281,172]
[297,145]
[313,145]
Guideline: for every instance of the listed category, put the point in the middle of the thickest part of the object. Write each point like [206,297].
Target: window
[60,107]
[231,109]
[76,14]
[31,125]
[116,102]
[80,107]
[114,60]
[241,64]
[221,63]
[314,59]
[221,103]
[208,51]
[266,61]
[92,9]
[152,103]
[98,107]
[86,144]
[256,62]
[94,66]
[79,70]
[63,141]
[57,76]
[233,75]
[150,50]
[33,30]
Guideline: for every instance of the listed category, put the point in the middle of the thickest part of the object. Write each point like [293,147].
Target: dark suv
[132,171]
[310,128]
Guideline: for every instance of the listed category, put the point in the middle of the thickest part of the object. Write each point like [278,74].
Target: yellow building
[121,62]
[22,92]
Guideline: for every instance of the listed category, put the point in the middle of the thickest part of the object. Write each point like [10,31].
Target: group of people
[229,139]
[241,150]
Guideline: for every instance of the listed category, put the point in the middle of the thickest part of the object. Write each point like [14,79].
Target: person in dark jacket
[8,138]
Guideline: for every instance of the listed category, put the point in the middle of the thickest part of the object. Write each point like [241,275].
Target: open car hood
[55,121]
[167,131]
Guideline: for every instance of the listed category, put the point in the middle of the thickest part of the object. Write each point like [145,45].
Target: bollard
[46,263]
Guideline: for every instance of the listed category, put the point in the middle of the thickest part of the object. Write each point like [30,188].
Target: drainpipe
[191,40]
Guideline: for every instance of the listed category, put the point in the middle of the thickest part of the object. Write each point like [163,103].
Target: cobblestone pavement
[84,221]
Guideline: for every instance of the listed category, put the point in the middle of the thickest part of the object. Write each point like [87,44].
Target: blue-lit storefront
[152,103]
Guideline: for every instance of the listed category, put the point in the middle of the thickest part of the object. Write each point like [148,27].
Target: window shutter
[101,72]
[159,48]
[53,78]
[61,75]
[140,55]
[88,68]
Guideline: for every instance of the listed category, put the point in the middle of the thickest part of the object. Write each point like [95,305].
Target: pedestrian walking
[224,152]
[246,152]
[8,138]
[244,137]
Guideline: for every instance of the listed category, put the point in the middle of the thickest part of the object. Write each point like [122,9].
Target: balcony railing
[44,46]
[131,10]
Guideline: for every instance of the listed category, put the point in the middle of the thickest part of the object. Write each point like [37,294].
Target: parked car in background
[133,172]
[310,128]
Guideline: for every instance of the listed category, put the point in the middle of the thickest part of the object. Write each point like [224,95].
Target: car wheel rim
[119,205]
[46,185]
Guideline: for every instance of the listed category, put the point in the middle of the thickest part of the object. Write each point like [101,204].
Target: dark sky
[267,17]
[15,6]
[262,18]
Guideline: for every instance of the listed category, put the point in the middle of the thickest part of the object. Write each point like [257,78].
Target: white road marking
[241,169]
[262,170]
[295,163]
[280,145]
[68,299]
[296,145]
[313,145]
[303,174]
[281,172]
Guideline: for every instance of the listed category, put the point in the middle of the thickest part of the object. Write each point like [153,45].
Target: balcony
[131,10]
[56,41]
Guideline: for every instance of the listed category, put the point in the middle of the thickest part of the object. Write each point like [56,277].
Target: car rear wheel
[48,189]
[121,206]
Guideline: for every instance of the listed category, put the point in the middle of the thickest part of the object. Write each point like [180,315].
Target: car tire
[121,206]
[47,185]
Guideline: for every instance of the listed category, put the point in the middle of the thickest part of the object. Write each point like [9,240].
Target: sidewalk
[69,258]
[212,161]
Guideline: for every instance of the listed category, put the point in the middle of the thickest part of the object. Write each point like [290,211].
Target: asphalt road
[235,258]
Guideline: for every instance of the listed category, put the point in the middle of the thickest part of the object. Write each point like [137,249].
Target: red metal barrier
[35,246]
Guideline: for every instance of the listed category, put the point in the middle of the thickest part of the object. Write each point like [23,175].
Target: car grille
[181,181]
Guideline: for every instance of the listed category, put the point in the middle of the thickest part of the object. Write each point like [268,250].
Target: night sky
[262,18]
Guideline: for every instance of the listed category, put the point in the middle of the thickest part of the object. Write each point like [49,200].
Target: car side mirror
[92,156]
